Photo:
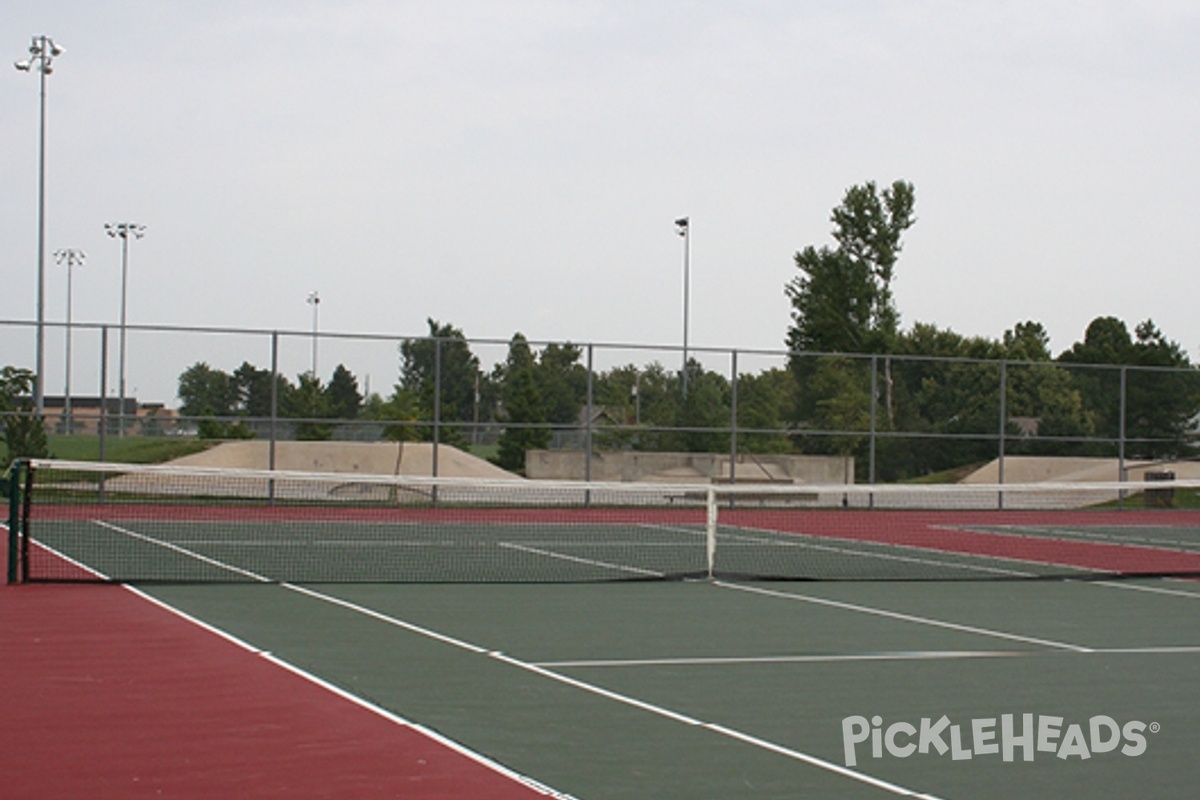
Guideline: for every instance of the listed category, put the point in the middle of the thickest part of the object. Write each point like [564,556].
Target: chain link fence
[891,417]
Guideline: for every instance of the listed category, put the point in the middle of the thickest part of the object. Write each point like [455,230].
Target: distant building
[146,419]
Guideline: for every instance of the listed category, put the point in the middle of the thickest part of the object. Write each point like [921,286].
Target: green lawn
[126,449]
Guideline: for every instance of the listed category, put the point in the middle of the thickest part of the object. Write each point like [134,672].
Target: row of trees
[530,396]
[224,402]
[938,400]
[932,398]
[842,303]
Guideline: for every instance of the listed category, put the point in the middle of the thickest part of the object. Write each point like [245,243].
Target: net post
[710,530]
[14,518]
[26,506]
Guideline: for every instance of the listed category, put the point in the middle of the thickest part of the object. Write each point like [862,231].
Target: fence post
[1003,424]
[871,439]
[103,392]
[1003,415]
[1121,431]
[437,404]
[273,434]
[590,413]
[103,409]
[733,416]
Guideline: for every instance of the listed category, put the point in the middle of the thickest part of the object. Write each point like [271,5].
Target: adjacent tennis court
[950,666]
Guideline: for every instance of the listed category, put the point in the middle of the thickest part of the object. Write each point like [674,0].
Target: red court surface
[106,695]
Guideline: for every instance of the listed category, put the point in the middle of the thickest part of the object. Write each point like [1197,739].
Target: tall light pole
[684,230]
[42,53]
[122,231]
[72,258]
[314,300]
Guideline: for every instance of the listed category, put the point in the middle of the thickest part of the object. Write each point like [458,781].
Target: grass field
[126,449]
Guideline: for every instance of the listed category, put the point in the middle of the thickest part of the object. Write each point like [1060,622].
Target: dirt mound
[1040,469]
[367,458]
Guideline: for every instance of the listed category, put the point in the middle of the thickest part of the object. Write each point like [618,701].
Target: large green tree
[1146,375]
[842,299]
[563,381]
[763,401]
[309,404]
[441,371]
[342,392]
[205,391]
[525,406]
[842,304]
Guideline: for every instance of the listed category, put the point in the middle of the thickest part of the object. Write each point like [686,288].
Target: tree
[704,411]
[401,409]
[342,394]
[563,382]
[524,406]
[1161,388]
[253,388]
[309,404]
[445,359]
[24,431]
[1041,391]
[206,392]
[763,399]
[842,303]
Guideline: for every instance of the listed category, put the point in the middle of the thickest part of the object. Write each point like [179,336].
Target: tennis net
[84,521]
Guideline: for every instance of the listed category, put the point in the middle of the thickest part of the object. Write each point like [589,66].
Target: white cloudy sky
[516,165]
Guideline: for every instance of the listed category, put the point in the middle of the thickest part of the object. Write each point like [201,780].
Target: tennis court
[951,666]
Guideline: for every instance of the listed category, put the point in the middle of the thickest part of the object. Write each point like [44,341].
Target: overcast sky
[517,165]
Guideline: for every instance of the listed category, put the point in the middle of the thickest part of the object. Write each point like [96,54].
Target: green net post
[13,477]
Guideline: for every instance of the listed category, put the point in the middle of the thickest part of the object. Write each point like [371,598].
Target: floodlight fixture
[71,258]
[42,51]
[314,300]
[683,228]
[122,231]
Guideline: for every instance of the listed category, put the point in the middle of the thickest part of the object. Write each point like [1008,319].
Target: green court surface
[658,642]
[692,689]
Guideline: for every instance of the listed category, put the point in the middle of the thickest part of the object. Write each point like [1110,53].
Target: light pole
[684,230]
[42,53]
[72,258]
[122,231]
[314,300]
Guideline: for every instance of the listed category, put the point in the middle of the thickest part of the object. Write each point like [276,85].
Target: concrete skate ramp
[366,458]
[1042,469]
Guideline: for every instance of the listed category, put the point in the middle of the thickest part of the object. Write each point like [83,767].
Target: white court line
[859,550]
[1076,534]
[1152,589]
[880,612]
[930,655]
[176,548]
[478,758]
[764,744]
[1140,651]
[591,562]
[623,699]
[373,614]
